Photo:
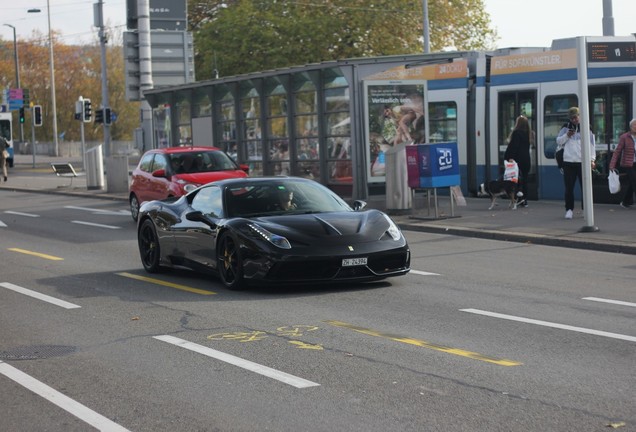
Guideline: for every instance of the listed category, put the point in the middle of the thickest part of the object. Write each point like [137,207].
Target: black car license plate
[350,262]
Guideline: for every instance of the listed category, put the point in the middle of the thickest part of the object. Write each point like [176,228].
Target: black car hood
[368,225]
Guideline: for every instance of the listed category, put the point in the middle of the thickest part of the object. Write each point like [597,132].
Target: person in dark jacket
[519,150]
[4,147]
[625,150]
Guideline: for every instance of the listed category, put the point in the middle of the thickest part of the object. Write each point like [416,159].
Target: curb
[521,238]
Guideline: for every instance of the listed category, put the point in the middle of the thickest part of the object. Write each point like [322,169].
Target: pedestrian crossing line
[69,405]
[552,325]
[39,296]
[425,344]
[616,302]
[423,273]
[283,377]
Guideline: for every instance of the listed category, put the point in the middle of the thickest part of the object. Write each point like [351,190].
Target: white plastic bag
[614,182]
[511,172]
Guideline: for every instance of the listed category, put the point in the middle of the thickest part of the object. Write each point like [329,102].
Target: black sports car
[271,230]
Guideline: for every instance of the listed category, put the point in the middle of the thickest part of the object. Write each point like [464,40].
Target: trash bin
[117,173]
[94,168]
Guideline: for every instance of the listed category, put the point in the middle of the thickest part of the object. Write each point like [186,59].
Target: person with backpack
[569,138]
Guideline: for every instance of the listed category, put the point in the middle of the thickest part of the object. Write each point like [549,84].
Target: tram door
[510,106]
[610,116]
[610,113]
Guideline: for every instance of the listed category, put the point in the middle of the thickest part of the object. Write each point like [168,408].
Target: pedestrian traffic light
[99,116]
[26,99]
[21,115]
[87,114]
[37,115]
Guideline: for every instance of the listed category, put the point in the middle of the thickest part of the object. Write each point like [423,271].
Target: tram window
[554,115]
[442,121]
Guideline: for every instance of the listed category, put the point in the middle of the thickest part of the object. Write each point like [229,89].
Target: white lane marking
[103,212]
[551,324]
[39,296]
[22,214]
[423,273]
[71,406]
[237,361]
[602,300]
[3,225]
[95,224]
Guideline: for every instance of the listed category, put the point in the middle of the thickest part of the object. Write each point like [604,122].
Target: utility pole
[99,23]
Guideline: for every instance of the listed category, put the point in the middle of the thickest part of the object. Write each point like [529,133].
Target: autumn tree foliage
[242,36]
[77,73]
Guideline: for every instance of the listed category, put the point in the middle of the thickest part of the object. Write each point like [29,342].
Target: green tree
[236,37]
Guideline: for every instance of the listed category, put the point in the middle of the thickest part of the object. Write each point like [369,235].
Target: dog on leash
[497,188]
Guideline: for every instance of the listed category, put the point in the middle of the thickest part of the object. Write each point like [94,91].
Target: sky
[519,23]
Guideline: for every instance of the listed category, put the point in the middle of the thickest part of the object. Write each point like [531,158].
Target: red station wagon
[174,171]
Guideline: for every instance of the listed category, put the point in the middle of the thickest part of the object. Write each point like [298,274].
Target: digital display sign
[606,52]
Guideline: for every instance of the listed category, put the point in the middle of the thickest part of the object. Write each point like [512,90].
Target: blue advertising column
[431,166]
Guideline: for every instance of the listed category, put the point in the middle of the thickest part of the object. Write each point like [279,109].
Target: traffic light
[26,99]
[37,115]
[21,116]
[99,116]
[107,116]
[87,114]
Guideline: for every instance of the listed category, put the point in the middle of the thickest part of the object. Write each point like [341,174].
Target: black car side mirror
[359,205]
[197,216]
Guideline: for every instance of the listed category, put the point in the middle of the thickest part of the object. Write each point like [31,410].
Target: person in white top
[569,138]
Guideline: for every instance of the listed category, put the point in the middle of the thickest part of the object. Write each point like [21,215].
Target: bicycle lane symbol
[291,332]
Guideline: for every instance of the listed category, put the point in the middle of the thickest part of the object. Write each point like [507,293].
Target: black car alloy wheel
[229,262]
[149,247]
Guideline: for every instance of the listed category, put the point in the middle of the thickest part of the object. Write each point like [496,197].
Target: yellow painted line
[424,344]
[37,254]
[168,284]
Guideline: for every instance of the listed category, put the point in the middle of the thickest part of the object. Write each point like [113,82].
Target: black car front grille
[385,263]
[389,262]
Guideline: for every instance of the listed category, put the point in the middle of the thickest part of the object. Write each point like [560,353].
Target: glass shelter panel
[306,139]
[337,127]
[252,131]
[278,132]
[226,125]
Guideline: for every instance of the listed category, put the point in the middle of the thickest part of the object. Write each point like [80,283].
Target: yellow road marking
[424,344]
[305,345]
[37,254]
[168,284]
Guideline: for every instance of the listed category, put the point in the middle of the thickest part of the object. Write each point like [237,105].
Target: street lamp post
[52,68]
[17,72]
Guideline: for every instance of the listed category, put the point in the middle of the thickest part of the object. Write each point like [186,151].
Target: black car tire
[134,207]
[229,262]
[149,250]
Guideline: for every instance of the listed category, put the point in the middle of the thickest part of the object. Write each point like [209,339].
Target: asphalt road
[481,335]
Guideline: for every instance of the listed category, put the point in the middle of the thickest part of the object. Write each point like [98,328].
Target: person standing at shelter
[518,150]
[569,138]
[4,154]
[625,150]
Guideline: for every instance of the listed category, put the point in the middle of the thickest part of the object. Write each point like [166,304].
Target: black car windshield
[284,196]
[201,161]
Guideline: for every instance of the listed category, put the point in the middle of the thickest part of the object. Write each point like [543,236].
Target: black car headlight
[393,230]
[275,239]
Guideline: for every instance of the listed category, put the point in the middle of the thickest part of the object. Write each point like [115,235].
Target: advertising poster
[395,117]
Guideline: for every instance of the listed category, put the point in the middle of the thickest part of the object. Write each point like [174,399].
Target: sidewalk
[542,222]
